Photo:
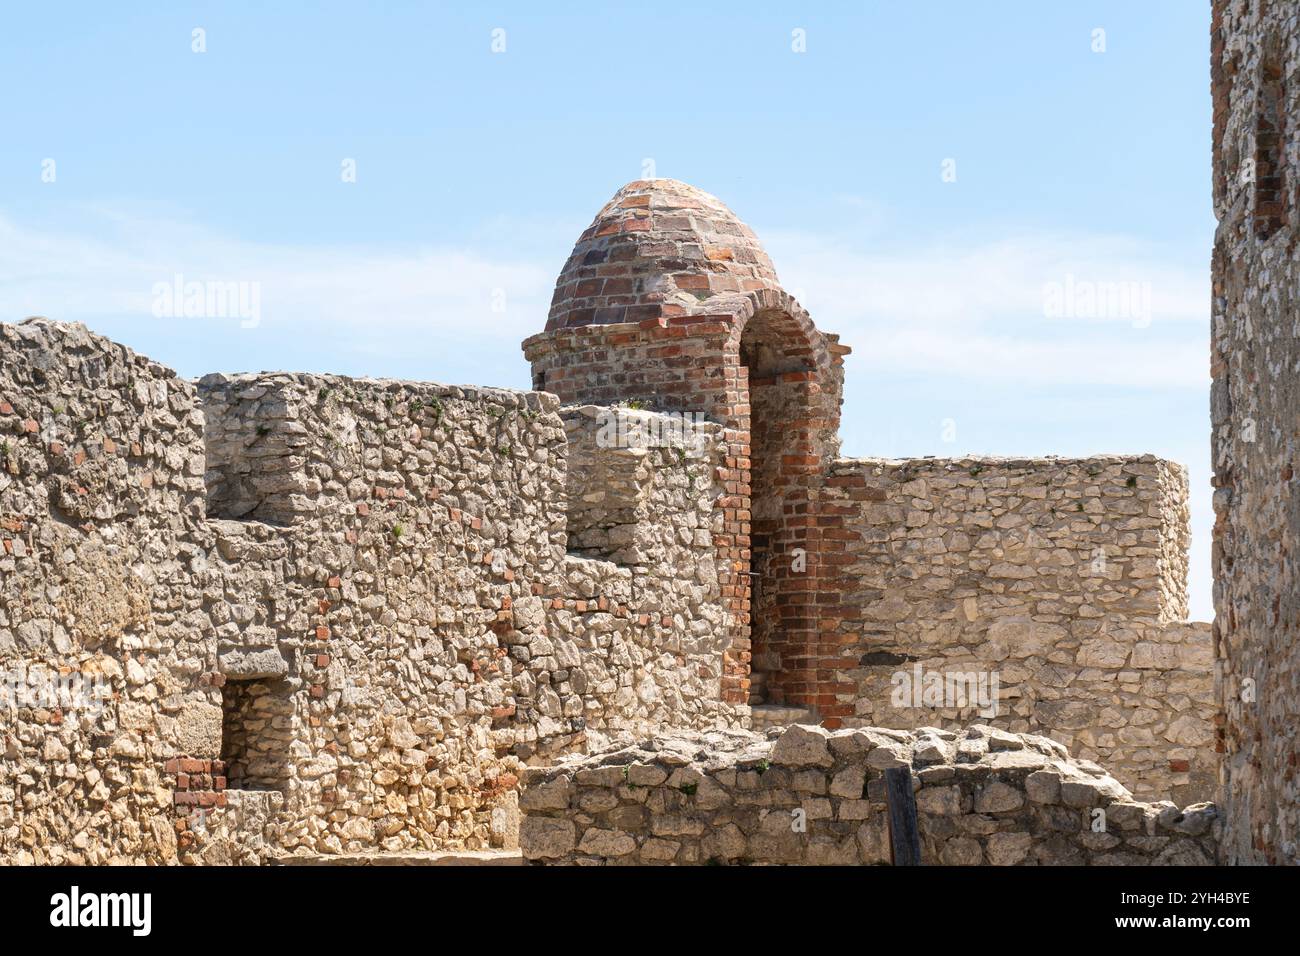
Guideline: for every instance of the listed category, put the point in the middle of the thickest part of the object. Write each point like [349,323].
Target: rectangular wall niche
[607,489]
[256,728]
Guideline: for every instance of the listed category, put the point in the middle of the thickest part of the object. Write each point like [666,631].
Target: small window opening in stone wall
[1272,206]
[256,728]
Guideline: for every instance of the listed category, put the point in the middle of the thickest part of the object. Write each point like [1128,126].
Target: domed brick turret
[669,301]
[658,248]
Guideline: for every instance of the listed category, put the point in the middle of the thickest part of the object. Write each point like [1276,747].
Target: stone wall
[1255,56]
[104,582]
[1059,583]
[436,632]
[382,586]
[327,615]
[816,797]
[375,628]
[649,621]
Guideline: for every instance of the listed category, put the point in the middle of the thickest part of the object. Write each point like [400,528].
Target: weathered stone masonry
[815,797]
[1254,403]
[359,648]
[336,615]
[1064,577]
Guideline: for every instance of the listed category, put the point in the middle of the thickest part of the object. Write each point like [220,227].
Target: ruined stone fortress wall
[330,614]
[103,567]
[1062,579]
[327,615]
[1255,399]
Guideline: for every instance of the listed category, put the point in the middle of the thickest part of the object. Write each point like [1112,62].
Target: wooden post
[904,837]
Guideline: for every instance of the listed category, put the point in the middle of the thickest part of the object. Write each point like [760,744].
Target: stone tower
[668,300]
[1255,399]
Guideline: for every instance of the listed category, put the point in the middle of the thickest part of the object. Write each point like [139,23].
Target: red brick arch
[783,425]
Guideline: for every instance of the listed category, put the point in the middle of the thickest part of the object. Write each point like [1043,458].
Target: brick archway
[786,418]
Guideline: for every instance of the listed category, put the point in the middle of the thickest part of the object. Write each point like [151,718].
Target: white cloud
[449,292]
[977,310]
[972,308]
[1125,361]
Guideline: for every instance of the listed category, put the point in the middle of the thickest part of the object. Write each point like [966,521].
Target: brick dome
[658,248]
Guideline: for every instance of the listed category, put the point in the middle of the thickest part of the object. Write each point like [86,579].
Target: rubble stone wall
[104,582]
[648,619]
[816,797]
[437,632]
[383,582]
[374,629]
[1063,580]
[1254,399]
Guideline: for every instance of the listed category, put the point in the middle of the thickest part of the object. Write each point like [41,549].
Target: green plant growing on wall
[435,404]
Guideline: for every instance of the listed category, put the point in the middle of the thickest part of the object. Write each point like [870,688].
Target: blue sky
[476,171]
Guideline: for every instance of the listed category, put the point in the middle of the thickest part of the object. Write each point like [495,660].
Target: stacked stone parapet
[813,797]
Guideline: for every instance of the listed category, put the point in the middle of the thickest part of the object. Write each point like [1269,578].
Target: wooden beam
[904,836]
